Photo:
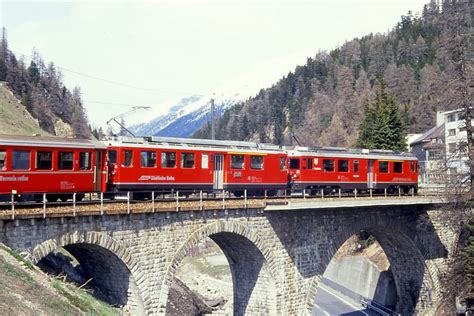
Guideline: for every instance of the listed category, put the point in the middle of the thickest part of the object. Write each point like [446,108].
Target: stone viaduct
[277,254]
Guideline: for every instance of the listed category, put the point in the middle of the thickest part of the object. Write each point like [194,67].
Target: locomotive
[60,167]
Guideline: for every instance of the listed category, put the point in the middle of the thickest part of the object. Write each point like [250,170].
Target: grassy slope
[13,120]
[26,291]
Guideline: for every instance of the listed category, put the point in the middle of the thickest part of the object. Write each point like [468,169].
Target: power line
[108,103]
[122,84]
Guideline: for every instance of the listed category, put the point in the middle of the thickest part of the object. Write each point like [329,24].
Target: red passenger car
[157,163]
[52,165]
[349,169]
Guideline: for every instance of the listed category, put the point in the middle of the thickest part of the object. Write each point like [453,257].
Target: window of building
[461,117]
[21,160]
[452,132]
[237,161]
[256,162]
[44,160]
[205,161]
[356,166]
[282,163]
[85,160]
[187,160]
[434,154]
[397,167]
[112,156]
[148,159]
[66,160]
[3,159]
[452,147]
[383,166]
[343,165]
[294,163]
[328,165]
[310,163]
[168,159]
[451,118]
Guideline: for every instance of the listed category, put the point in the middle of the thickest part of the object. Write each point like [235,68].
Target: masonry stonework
[277,258]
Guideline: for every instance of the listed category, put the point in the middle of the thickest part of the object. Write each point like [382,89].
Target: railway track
[95,204]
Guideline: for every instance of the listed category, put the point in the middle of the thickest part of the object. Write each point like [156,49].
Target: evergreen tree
[3,70]
[34,73]
[382,127]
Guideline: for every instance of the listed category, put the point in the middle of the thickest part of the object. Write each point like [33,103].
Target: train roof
[50,141]
[350,153]
[191,143]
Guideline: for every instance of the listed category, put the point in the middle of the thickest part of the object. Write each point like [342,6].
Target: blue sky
[164,50]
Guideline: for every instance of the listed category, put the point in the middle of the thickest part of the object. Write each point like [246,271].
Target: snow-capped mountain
[153,127]
[190,114]
[185,118]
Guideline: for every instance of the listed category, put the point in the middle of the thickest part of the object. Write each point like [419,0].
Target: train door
[98,170]
[370,174]
[218,181]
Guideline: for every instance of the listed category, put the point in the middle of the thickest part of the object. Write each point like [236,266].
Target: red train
[60,167]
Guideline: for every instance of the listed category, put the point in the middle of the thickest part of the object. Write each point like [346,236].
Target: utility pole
[213,127]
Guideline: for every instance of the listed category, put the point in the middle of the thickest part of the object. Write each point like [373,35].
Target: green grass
[11,270]
[19,258]
[83,300]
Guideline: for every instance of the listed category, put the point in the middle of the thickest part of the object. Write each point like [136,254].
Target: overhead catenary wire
[124,84]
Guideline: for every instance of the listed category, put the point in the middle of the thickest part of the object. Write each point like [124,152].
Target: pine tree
[3,70]
[382,127]
[34,73]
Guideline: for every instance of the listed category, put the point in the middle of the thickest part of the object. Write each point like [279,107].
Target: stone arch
[414,283]
[258,259]
[107,260]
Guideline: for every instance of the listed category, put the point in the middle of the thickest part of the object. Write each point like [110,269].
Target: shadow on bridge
[98,269]
[407,236]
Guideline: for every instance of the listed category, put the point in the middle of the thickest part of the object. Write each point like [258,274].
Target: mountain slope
[15,119]
[40,88]
[322,101]
[183,119]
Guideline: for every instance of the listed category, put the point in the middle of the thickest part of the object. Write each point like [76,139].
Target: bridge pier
[276,258]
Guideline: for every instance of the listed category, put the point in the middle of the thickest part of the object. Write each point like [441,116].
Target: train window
[187,160]
[237,161]
[112,156]
[85,161]
[343,165]
[282,163]
[205,161]
[294,163]
[65,161]
[168,159]
[21,160]
[127,158]
[256,162]
[412,166]
[309,164]
[397,167]
[148,159]
[44,160]
[328,165]
[356,166]
[3,160]
[383,166]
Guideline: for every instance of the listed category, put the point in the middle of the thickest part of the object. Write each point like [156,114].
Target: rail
[74,204]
